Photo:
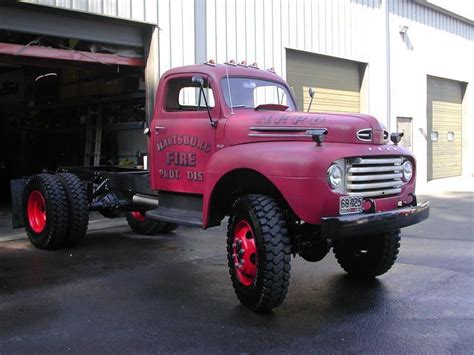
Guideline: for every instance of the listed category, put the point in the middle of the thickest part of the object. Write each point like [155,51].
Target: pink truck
[228,140]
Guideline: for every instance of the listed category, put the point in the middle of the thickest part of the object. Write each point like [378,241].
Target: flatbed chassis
[110,188]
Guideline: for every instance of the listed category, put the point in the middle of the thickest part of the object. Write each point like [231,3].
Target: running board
[179,208]
[179,216]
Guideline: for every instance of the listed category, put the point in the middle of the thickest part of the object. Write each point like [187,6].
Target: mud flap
[17,187]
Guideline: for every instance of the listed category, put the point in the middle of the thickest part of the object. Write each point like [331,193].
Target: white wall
[434,45]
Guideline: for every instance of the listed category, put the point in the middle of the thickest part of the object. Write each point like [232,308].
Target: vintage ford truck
[227,140]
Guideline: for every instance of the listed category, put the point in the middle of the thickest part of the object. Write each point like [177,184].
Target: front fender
[290,166]
[297,170]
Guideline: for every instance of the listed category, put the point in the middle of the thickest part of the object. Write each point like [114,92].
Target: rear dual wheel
[55,210]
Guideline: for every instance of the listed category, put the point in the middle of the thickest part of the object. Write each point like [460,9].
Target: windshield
[252,93]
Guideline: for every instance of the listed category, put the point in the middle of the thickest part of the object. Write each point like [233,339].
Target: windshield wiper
[242,106]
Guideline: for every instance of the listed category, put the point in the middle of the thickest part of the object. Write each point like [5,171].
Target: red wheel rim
[36,211]
[138,216]
[244,253]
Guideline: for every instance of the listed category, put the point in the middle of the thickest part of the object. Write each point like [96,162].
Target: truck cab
[227,141]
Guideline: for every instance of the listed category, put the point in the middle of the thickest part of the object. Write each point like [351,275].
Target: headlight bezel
[331,175]
[407,171]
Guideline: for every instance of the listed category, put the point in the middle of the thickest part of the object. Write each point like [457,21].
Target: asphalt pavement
[124,293]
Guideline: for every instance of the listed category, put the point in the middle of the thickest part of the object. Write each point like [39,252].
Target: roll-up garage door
[336,82]
[444,113]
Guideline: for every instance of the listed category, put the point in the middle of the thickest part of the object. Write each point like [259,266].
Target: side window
[184,94]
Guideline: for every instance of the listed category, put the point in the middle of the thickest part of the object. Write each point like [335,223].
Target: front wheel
[370,256]
[258,252]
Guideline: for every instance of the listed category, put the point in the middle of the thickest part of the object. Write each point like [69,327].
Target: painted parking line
[95,225]
[9,238]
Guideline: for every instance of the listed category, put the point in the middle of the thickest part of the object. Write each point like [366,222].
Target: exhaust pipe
[145,200]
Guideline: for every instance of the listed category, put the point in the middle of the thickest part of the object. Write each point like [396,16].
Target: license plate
[350,204]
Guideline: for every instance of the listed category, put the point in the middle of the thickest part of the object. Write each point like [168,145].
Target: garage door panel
[335,81]
[444,113]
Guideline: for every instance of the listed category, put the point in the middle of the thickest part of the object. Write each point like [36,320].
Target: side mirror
[197,79]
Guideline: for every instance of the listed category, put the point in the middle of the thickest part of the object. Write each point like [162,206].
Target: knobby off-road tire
[257,234]
[45,212]
[145,226]
[78,207]
[370,256]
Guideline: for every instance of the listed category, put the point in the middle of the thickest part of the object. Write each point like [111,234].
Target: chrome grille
[374,177]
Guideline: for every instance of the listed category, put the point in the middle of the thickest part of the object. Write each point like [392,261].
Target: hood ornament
[396,137]
[317,135]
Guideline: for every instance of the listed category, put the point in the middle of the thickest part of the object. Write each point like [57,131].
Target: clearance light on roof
[254,65]
[231,62]
[271,70]
[243,63]
[211,62]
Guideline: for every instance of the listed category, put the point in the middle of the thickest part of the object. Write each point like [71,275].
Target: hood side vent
[365,135]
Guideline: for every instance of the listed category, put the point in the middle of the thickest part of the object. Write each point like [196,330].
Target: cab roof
[218,71]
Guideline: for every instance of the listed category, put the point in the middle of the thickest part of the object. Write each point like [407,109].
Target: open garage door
[337,82]
[66,97]
[444,114]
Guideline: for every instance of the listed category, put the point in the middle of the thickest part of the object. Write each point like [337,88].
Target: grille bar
[375,169]
[369,161]
[374,185]
[378,193]
[374,176]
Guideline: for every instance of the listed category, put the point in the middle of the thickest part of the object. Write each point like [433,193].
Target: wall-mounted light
[403,30]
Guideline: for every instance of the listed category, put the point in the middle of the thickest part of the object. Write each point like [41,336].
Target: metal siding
[337,28]
[135,10]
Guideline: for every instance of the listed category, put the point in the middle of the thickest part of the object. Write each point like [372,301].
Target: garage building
[78,77]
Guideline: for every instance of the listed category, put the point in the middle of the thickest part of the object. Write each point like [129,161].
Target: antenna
[230,95]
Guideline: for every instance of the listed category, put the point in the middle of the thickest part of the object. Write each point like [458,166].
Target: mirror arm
[311,94]
[211,121]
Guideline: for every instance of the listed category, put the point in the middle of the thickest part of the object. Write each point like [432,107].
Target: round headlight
[334,176]
[407,171]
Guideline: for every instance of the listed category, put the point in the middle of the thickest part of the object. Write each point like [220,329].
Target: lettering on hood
[292,120]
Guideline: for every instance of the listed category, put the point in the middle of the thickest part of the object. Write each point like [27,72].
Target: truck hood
[247,126]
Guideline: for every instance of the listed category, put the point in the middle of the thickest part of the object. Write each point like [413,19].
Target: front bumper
[373,223]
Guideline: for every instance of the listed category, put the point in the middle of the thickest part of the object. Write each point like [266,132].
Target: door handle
[159,128]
